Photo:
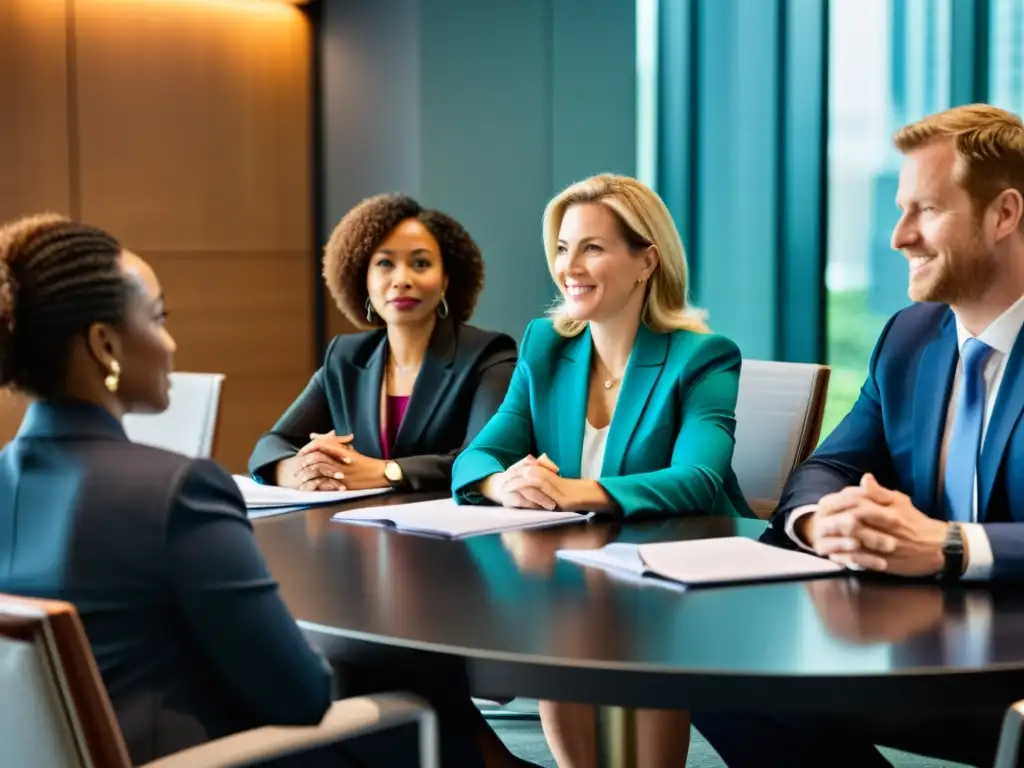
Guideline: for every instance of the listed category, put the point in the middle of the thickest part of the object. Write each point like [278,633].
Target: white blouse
[594,441]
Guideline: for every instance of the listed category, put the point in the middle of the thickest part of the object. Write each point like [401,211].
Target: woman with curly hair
[394,405]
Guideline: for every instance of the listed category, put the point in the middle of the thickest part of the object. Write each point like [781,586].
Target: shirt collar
[1001,332]
[68,419]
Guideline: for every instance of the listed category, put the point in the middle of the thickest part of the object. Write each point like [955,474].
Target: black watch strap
[953,553]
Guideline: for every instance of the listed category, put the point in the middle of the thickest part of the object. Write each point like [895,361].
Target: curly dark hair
[348,251]
[57,277]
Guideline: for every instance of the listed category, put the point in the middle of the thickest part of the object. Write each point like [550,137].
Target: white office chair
[1009,752]
[189,425]
[778,421]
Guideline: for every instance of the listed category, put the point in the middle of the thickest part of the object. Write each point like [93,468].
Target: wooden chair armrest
[345,719]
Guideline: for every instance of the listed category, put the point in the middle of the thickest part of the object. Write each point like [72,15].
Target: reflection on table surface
[509,594]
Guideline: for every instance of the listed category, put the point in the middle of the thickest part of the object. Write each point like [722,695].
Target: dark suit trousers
[441,686]
[772,741]
[394,748]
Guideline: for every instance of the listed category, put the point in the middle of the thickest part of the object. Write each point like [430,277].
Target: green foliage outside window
[852,333]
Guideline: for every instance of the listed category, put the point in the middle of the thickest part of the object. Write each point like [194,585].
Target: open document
[704,562]
[266,497]
[443,517]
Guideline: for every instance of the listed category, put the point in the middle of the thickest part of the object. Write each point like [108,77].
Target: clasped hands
[330,463]
[869,527]
[534,483]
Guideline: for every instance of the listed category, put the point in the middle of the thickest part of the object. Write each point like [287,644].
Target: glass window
[889,64]
[647,90]
[1006,62]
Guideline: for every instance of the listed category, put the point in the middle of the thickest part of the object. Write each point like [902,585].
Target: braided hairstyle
[57,278]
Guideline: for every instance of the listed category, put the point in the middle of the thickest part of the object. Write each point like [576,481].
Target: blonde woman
[622,402]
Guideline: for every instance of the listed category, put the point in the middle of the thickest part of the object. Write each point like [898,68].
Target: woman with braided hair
[191,636]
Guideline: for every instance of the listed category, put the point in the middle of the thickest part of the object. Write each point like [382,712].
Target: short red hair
[989,142]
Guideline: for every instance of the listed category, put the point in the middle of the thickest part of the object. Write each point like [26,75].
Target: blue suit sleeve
[232,607]
[1007,542]
[702,452]
[858,445]
[505,439]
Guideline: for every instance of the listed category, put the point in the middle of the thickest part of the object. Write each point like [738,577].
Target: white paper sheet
[443,517]
[255,513]
[258,496]
[621,561]
[617,556]
[705,561]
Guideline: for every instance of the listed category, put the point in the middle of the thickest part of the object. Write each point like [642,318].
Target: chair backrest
[778,421]
[189,425]
[54,708]
[1009,750]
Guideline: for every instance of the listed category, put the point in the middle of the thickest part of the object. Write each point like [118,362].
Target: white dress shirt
[594,441]
[1000,336]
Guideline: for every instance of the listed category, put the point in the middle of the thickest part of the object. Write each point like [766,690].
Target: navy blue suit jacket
[895,431]
[155,550]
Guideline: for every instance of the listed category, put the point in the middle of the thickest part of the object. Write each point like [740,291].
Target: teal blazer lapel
[931,396]
[570,403]
[1005,415]
[650,350]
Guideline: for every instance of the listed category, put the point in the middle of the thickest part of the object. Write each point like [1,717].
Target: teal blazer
[670,445]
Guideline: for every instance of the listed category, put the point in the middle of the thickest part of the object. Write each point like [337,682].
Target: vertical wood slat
[192,127]
[34,130]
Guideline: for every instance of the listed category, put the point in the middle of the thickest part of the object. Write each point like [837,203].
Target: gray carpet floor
[525,739]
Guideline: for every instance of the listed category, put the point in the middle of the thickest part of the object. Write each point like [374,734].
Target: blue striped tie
[965,441]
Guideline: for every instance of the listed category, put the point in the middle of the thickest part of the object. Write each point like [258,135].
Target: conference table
[519,622]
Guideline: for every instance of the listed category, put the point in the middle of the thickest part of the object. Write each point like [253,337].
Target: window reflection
[1006,54]
[889,64]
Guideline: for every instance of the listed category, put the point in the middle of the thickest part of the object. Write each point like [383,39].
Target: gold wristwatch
[393,473]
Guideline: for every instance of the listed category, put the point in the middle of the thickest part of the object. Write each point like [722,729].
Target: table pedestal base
[616,737]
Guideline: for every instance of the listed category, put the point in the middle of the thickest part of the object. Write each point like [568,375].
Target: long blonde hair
[645,221]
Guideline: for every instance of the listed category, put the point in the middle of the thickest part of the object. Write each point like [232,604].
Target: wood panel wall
[182,126]
[335,323]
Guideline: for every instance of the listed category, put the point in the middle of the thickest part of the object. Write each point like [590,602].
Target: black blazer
[155,550]
[462,382]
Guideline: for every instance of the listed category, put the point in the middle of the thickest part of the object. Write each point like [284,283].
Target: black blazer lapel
[931,399]
[1005,415]
[365,421]
[432,382]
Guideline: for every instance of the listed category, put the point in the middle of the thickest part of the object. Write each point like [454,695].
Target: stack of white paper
[705,562]
[267,497]
[443,517]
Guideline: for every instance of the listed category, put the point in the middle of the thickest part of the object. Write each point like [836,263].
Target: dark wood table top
[526,624]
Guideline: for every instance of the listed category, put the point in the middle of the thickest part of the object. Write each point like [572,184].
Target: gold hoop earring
[442,305]
[369,310]
[113,379]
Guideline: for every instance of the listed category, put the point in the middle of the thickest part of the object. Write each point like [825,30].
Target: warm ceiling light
[240,4]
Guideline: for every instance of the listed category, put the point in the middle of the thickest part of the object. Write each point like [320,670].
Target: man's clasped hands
[870,527]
